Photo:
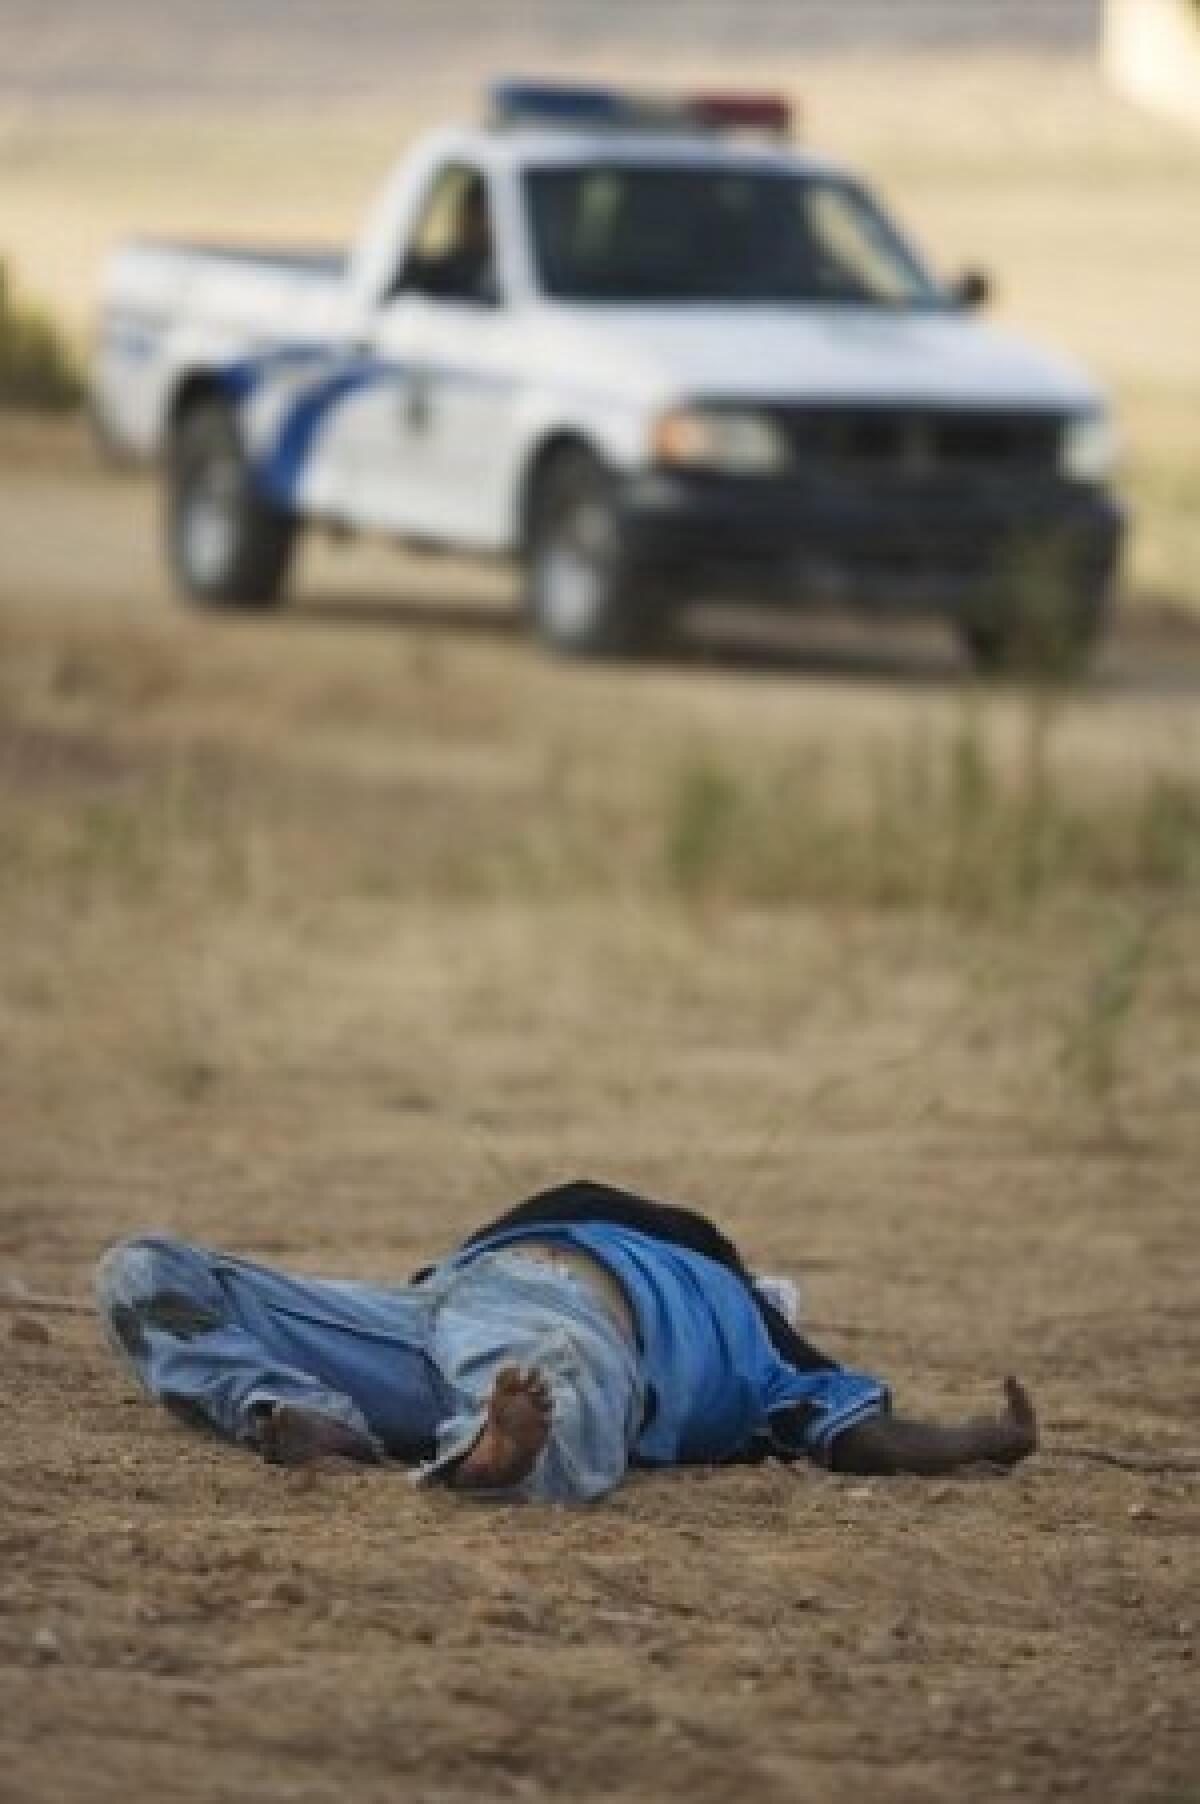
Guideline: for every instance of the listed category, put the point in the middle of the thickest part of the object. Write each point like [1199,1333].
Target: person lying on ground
[586,1331]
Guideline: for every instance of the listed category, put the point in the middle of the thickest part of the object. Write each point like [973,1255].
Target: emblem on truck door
[415,407]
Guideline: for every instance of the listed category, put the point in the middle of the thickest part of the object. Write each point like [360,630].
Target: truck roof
[516,146]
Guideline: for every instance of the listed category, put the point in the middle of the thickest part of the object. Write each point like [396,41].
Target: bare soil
[278,1015]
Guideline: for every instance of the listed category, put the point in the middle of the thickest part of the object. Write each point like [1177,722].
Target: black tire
[226,546]
[583,596]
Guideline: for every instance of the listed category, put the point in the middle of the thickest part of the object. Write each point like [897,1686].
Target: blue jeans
[410,1366]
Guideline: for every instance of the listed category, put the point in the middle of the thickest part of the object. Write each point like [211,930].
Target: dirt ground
[301,956]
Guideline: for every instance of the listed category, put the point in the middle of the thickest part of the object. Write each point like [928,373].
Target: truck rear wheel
[582,595]
[227,547]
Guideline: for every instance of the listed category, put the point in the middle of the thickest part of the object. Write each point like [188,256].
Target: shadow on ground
[1155,654]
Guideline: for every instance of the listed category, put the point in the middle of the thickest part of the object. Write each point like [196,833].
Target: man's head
[470,261]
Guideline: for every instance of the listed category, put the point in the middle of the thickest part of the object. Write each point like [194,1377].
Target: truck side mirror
[971,290]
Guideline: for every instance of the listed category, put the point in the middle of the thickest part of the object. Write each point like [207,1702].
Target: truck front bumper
[940,547]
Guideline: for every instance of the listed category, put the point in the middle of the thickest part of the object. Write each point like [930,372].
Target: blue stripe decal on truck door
[280,468]
[281,471]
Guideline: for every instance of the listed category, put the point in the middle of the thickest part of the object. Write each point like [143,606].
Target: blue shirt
[712,1377]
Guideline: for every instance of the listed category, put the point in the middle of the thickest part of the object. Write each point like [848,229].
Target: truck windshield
[678,233]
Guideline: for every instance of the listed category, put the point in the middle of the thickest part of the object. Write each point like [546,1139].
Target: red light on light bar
[749,112]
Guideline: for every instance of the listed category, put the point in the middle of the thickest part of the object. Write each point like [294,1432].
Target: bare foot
[1013,1436]
[518,1423]
[287,1435]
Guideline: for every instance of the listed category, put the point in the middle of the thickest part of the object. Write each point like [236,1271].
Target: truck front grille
[915,443]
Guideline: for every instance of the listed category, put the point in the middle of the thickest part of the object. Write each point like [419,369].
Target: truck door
[436,441]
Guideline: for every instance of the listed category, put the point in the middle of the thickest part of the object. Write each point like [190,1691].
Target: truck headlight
[1090,447]
[711,438]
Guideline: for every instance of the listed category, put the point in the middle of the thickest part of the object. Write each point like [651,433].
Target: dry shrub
[38,369]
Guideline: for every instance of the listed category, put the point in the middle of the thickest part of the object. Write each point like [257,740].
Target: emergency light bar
[552,103]
[731,111]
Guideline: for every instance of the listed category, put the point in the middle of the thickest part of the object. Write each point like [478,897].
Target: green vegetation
[939,823]
[38,368]
[974,815]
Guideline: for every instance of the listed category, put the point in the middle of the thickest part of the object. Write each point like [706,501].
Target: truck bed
[296,260]
[168,301]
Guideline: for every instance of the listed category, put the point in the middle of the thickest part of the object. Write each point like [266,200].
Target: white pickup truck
[648,349]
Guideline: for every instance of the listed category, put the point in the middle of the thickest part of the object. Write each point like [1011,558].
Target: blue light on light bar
[552,104]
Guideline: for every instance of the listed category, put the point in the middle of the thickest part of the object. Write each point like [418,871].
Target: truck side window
[452,254]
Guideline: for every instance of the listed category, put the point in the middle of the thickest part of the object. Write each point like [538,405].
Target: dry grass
[183,791]
[413,778]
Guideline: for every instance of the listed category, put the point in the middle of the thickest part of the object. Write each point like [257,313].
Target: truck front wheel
[227,547]
[582,595]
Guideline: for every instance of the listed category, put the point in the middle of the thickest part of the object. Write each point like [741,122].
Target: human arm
[888,1444]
